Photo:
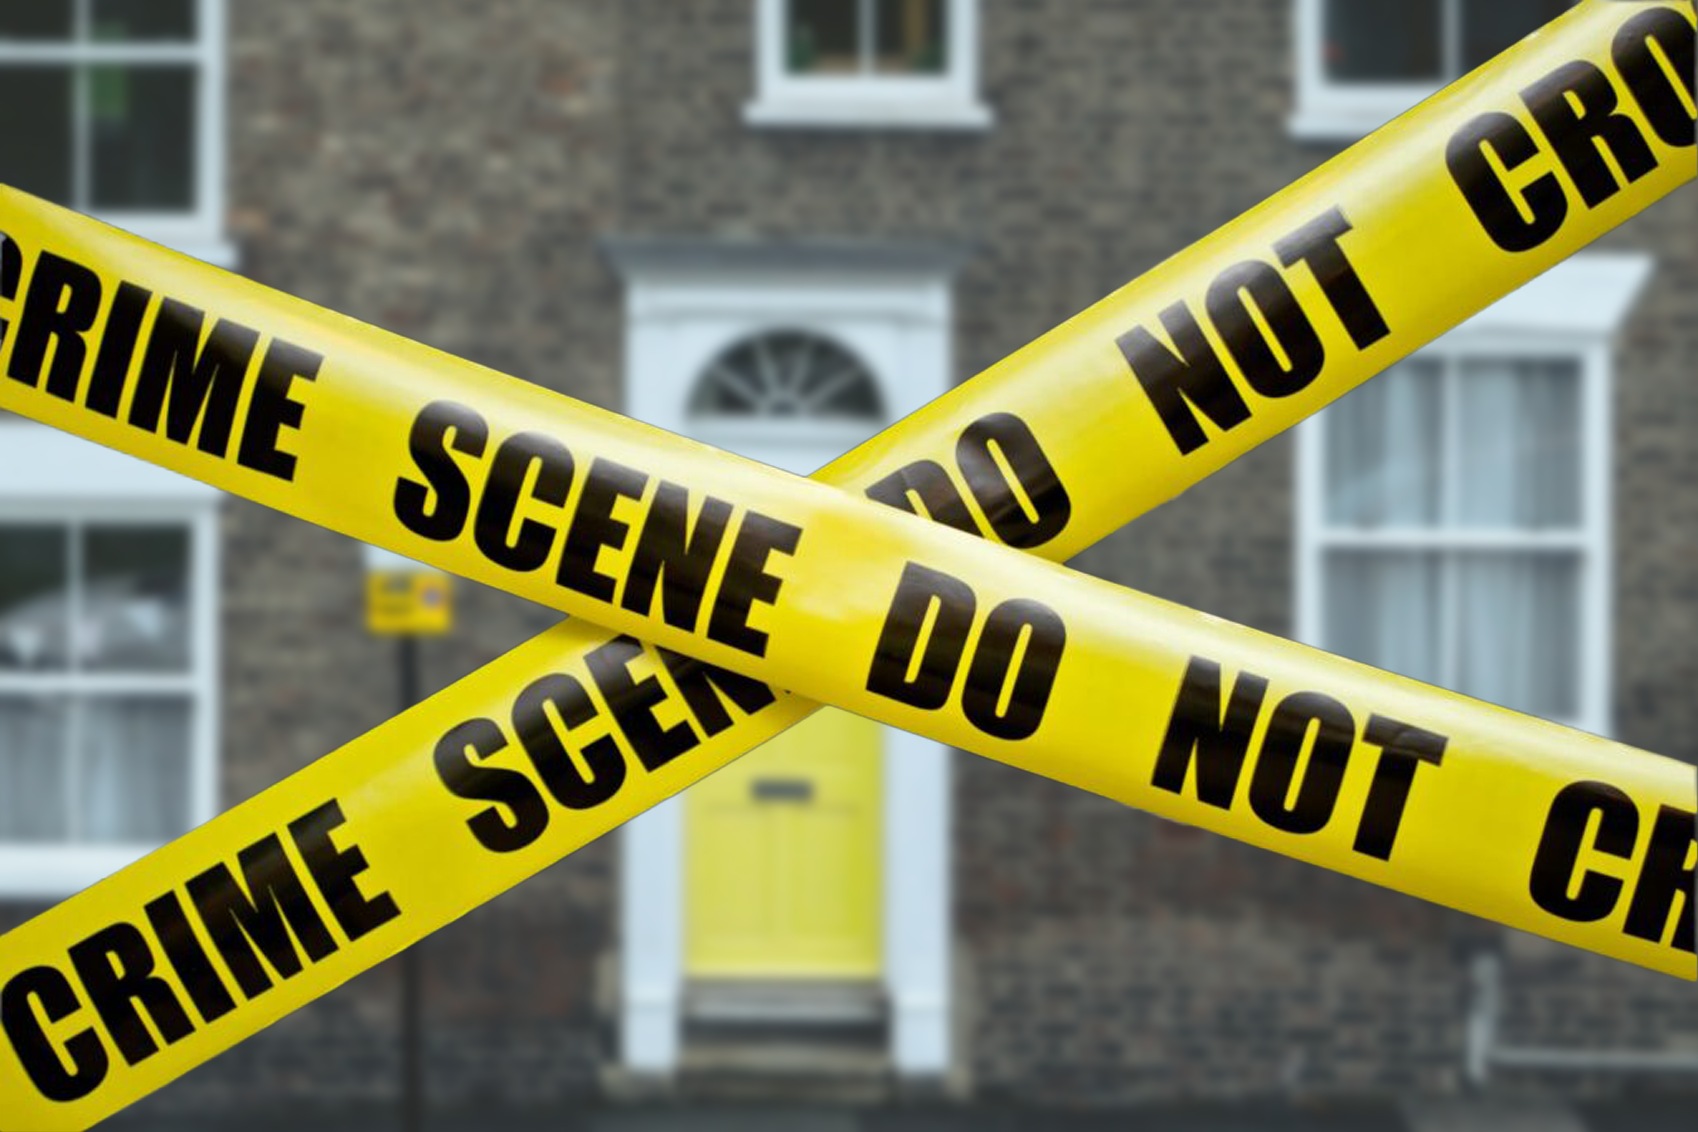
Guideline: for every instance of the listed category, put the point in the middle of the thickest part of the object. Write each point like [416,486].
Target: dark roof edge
[633,256]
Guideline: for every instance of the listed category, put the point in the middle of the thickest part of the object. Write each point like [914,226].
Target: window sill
[206,244]
[1345,114]
[1336,124]
[40,464]
[849,113]
[219,253]
[53,872]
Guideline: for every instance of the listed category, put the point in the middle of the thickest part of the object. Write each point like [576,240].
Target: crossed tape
[718,579]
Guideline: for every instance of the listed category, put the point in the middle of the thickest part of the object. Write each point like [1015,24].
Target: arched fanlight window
[787,375]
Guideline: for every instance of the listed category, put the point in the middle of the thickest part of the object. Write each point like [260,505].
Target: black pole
[412,1069]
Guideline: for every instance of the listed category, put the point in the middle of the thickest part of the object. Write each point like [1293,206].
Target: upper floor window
[1363,62]
[867,37]
[867,63]
[125,113]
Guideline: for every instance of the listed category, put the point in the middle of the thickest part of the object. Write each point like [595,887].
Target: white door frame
[686,301]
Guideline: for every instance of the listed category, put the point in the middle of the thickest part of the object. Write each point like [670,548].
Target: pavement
[1668,1114]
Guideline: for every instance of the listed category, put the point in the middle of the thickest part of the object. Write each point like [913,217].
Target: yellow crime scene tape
[739,575]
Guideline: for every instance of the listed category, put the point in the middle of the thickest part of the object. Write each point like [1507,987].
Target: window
[1452,535]
[786,395]
[125,113]
[1454,512]
[1455,525]
[866,37]
[1363,62]
[106,687]
[871,63]
[786,376]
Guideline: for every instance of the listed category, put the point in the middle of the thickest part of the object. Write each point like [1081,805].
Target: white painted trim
[854,110]
[899,323]
[917,901]
[1582,298]
[912,299]
[949,101]
[52,872]
[1572,312]
[207,561]
[1597,484]
[651,970]
[1345,120]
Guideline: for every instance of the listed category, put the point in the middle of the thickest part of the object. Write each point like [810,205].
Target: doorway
[770,885]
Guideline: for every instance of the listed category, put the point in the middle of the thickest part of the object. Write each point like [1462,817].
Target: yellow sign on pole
[409,603]
[406,598]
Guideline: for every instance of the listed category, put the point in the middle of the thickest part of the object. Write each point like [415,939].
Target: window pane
[36,155]
[1518,631]
[32,768]
[1382,608]
[35,19]
[787,375]
[34,580]
[1372,41]
[142,122]
[1383,450]
[134,768]
[911,37]
[1519,452]
[131,21]
[135,603]
[825,37]
[1490,26]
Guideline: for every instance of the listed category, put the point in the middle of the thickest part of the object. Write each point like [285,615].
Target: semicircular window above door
[786,375]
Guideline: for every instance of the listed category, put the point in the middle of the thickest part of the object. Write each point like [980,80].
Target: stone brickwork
[1121,957]
[444,170]
[440,170]
[1656,489]
[1168,1007]
[1557,998]
[1115,956]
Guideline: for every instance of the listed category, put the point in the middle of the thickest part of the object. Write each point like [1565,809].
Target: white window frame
[898,319]
[53,479]
[1334,111]
[1571,314]
[761,426]
[949,101]
[198,232]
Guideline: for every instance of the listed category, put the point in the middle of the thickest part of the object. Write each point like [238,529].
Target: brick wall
[444,169]
[440,170]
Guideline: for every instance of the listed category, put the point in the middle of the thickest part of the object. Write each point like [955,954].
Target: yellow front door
[782,857]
